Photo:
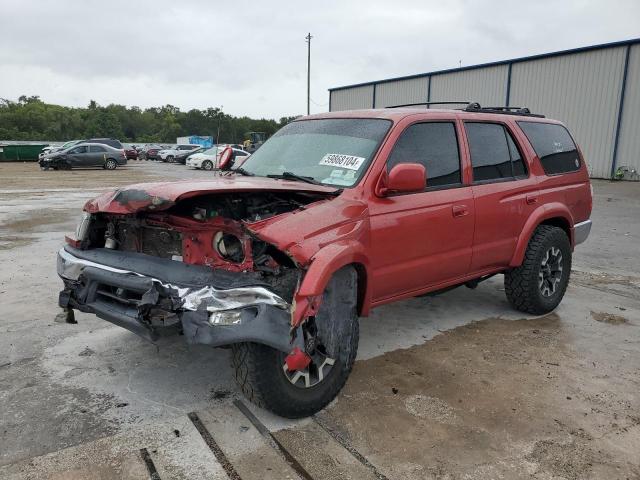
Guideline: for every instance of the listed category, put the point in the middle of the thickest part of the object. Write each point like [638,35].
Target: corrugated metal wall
[485,85]
[582,88]
[352,98]
[583,91]
[402,92]
[629,140]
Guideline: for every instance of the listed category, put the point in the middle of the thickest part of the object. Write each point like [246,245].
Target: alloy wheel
[320,366]
[550,273]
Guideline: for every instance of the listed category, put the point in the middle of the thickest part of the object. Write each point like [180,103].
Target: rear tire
[538,285]
[259,369]
[207,165]
[110,164]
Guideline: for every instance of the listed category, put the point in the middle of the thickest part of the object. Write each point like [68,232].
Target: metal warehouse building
[594,90]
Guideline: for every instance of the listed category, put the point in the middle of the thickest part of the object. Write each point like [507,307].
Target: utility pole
[308,39]
[219,115]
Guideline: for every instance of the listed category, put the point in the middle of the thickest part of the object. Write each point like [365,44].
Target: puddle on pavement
[39,220]
[8,242]
[496,398]
[609,318]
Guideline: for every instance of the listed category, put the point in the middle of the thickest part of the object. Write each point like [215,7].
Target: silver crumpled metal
[215,300]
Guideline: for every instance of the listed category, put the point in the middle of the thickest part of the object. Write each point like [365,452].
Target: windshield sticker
[343,161]
[341,177]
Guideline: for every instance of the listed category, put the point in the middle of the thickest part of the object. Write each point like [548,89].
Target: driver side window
[434,145]
[81,149]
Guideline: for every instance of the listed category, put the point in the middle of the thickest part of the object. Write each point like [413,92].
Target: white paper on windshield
[343,161]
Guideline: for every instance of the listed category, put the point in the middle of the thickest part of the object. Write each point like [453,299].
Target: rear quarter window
[553,145]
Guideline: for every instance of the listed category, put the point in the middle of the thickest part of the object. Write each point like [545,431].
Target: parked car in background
[182,157]
[59,148]
[131,153]
[169,154]
[150,152]
[85,155]
[47,150]
[208,160]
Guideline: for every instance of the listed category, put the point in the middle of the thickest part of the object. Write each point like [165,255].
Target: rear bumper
[581,231]
[155,297]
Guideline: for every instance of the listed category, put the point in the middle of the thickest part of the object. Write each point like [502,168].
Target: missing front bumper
[154,297]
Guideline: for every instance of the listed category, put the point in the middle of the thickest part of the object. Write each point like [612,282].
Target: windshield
[211,151]
[69,144]
[330,151]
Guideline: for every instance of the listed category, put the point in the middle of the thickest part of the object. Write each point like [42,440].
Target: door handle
[531,199]
[460,210]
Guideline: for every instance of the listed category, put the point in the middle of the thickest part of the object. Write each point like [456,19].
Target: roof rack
[521,111]
[429,103]
[477,108]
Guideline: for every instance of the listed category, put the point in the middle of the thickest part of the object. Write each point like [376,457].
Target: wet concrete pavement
[452,386]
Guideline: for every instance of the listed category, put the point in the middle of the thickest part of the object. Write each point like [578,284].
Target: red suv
[334,215]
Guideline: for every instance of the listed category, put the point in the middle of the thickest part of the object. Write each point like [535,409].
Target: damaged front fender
[322,267]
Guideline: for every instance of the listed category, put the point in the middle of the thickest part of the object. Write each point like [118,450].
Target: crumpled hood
[163,195]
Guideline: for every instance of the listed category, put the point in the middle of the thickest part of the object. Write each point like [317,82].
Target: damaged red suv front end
[265,259]
[190,257]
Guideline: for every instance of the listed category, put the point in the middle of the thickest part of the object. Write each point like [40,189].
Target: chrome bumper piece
[215,300]
[581,231]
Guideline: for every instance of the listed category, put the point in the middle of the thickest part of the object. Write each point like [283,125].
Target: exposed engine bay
[209,230]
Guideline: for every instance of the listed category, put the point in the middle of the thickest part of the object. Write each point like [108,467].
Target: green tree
[29,118]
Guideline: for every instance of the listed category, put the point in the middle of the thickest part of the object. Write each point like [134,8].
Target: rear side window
[97,149]
[113,143]
[494,154]
[434,145]
[553,145]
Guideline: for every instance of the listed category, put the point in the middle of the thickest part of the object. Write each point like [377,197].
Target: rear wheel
[110,164]
[538,285]
[331,340]
[207,165]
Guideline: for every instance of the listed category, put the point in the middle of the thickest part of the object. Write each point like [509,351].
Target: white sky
[250,57]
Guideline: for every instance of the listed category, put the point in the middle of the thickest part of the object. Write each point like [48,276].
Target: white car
[169,154]
[208,160]
[57,148]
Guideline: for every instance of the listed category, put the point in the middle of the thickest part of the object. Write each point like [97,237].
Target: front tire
[110,164]
[538,285]
[260,370]
[207,165]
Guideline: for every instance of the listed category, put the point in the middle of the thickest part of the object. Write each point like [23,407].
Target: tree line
[30,118]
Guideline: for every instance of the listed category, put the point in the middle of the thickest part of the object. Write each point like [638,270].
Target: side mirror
[403,178]
[226,157]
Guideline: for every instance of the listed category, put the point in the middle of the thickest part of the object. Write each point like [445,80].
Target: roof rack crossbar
[522,111]
[477,108]
[465,102]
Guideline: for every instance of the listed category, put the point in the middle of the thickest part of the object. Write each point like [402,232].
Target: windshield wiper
[242,171]
[293,176]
